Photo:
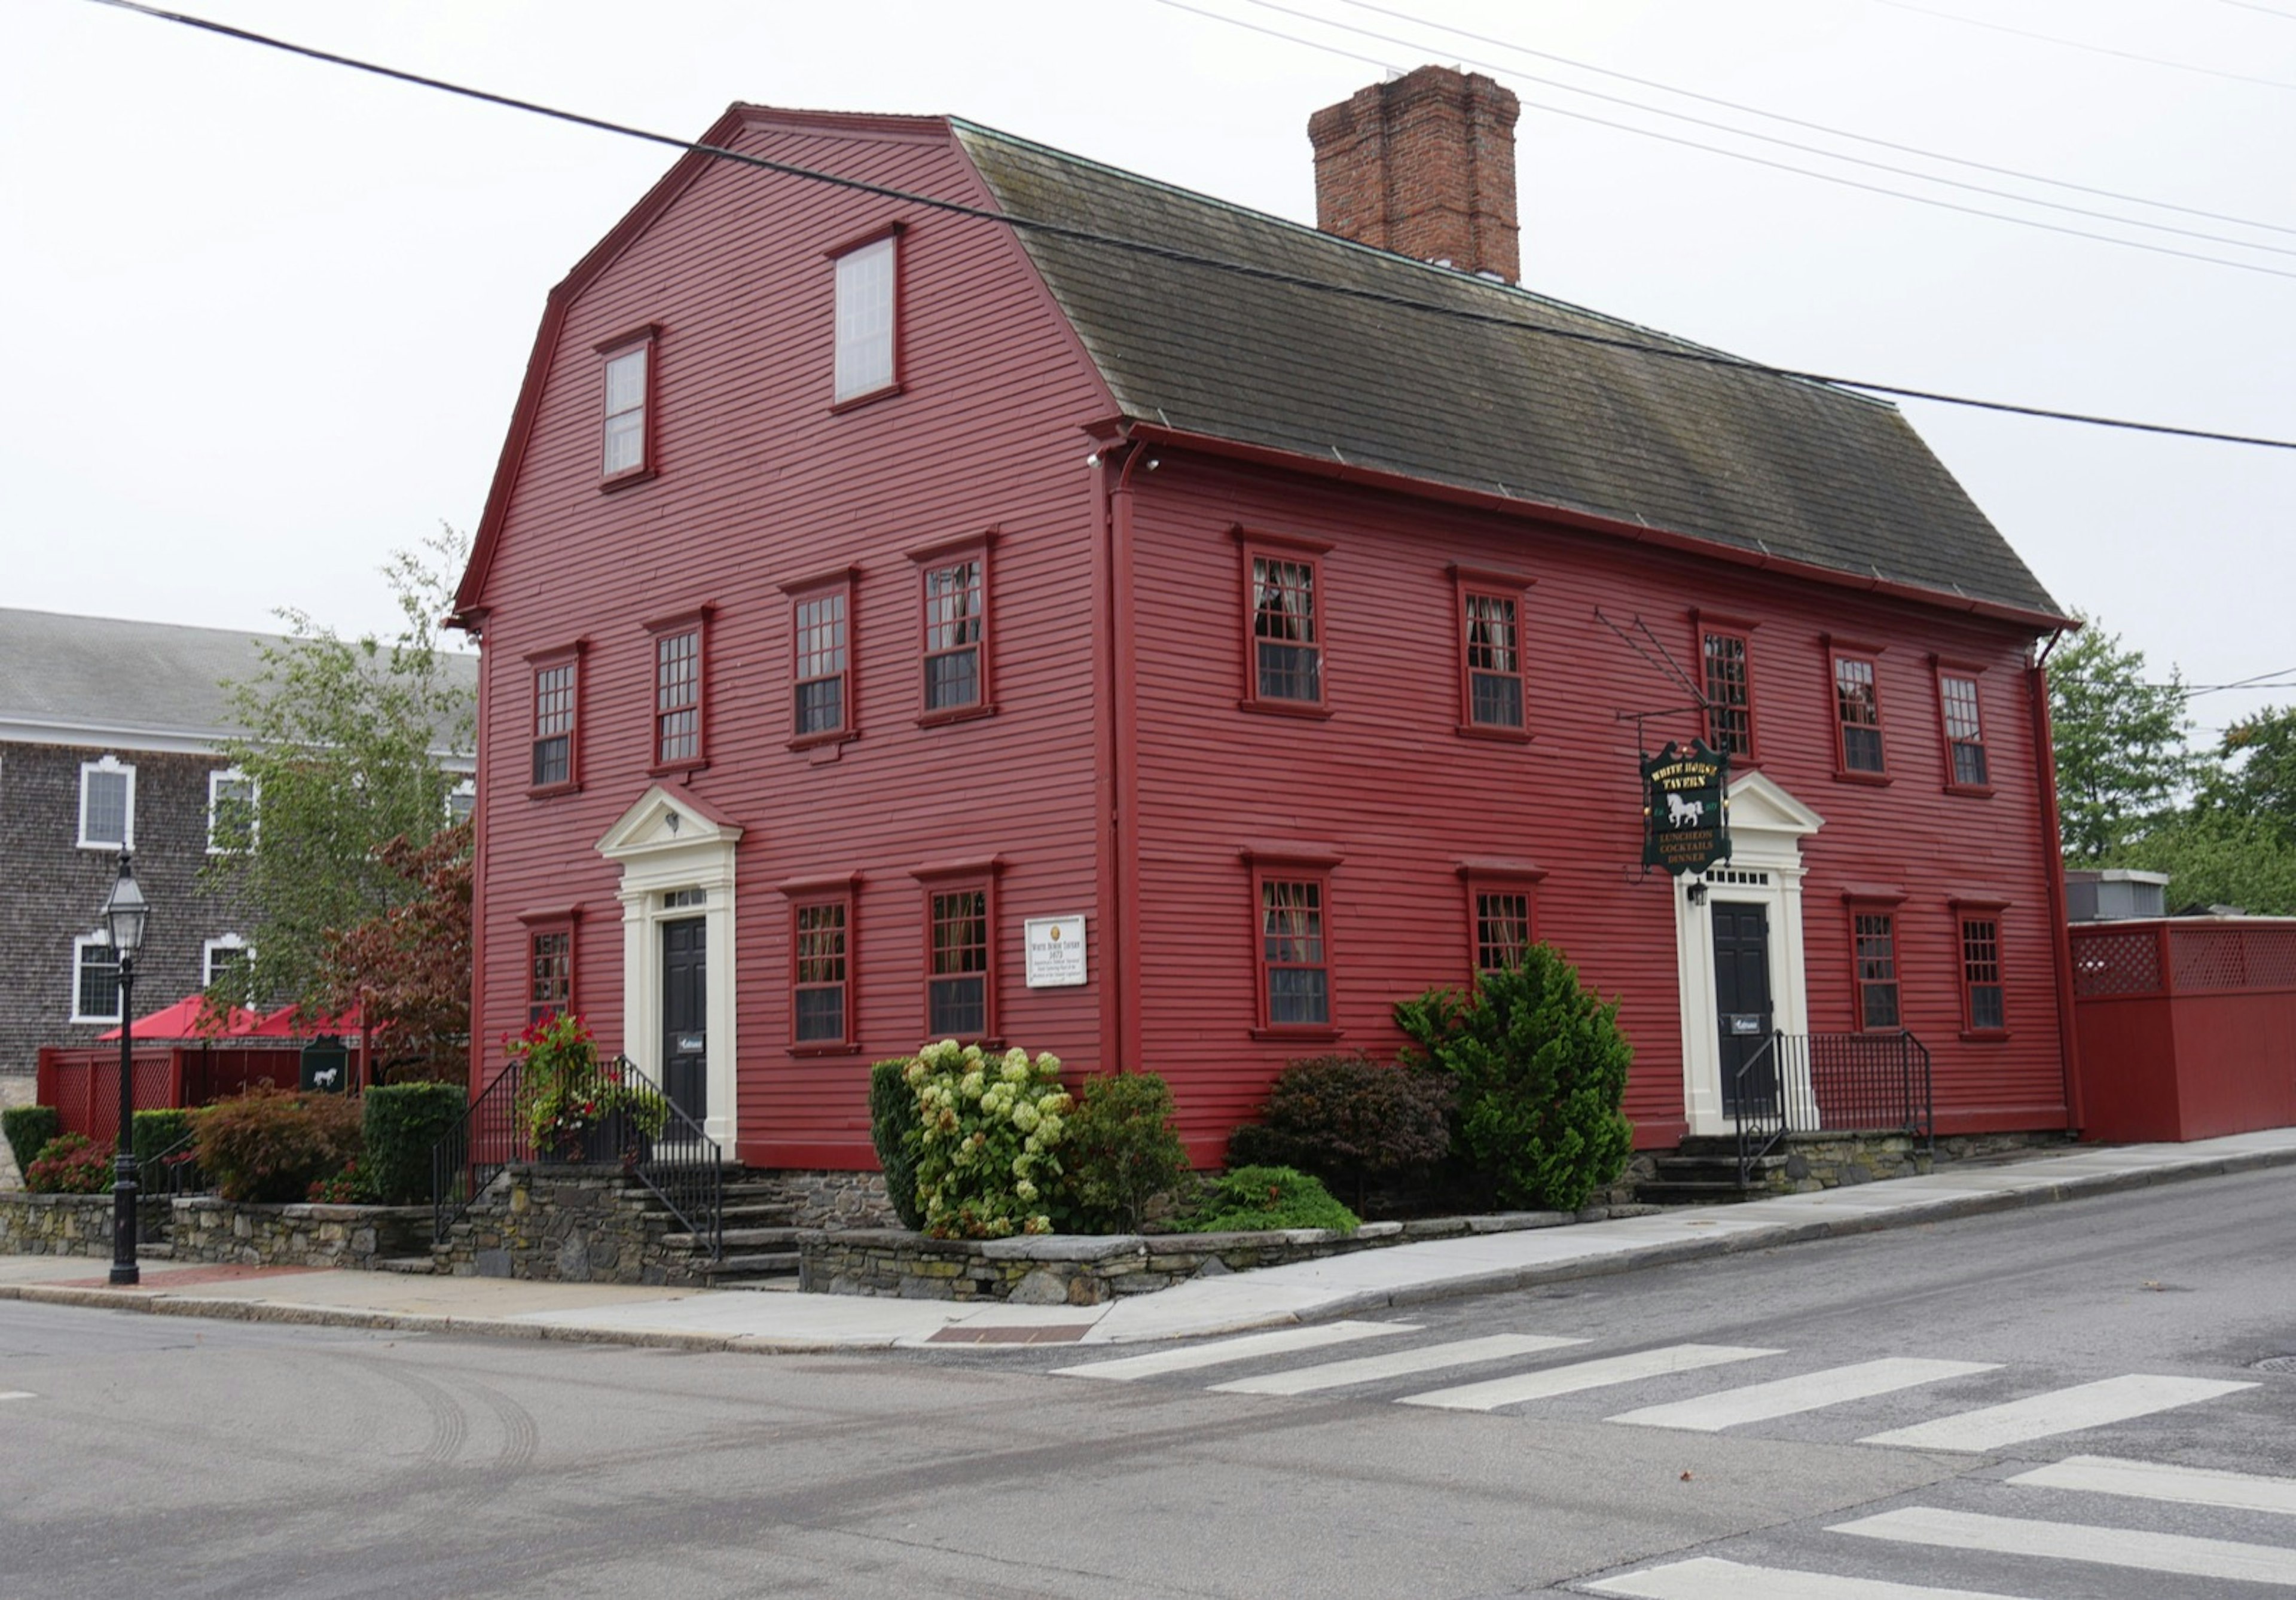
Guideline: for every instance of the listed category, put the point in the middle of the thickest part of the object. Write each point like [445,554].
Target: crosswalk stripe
[1704,1578]
[1220,1351]
[1369,1369]
[1758,1402]
[17,1394]
[2178,1552]
[1539,1386]
[2155,1480]
[2059,1411]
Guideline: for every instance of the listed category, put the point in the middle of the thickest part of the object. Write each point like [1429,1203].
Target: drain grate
[2286,1364]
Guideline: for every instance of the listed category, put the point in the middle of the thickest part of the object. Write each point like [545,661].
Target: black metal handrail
[683,1166]
[490,1135]
[1832,1083]
[173,1171]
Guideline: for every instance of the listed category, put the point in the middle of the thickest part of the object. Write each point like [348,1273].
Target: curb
[159,1302]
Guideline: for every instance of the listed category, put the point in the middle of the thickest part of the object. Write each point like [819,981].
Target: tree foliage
[408,968]
[2121,759]
[344,741]
[2256,775]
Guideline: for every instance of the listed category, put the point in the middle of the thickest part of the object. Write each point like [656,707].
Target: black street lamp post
[124,916]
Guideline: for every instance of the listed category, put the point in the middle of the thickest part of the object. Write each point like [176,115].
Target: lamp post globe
[125,914]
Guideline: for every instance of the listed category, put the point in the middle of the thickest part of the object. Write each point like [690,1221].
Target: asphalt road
[162,1456]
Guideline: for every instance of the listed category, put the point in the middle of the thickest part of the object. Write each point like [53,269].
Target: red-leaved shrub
[272,1146]
[70,1163]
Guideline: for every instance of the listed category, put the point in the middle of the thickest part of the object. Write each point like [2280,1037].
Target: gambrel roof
[1439,376]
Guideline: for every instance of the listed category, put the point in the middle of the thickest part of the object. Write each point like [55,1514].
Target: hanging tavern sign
[1685,814]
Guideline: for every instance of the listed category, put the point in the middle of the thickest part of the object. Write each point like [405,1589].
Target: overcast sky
[267,318]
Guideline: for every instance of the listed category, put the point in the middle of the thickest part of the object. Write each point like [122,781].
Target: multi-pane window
[462,801]
[627,390]
[1502,928]
[1294,962]
[230,961]
[230,811]
[1964,730]
[107,805]
[677,697]
[1287,653]
[822,650]
[956,983]
[955,622]
[819,931]
[1980,974]
[1729,694]
[1857,712]
[549,972]
[554,687]
[1493,664]
[866,309]
[96,979]
[1874,955]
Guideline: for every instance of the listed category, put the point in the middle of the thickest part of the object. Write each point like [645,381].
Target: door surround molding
[666,842]
[1765,868]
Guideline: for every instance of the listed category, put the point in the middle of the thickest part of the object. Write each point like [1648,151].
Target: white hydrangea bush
[991,1128]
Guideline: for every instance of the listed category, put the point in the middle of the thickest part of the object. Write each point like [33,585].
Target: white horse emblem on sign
[1681,813]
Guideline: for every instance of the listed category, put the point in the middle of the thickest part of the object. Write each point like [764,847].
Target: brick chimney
[1422,166]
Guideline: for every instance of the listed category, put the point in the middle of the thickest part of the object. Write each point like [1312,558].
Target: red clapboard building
[937,585]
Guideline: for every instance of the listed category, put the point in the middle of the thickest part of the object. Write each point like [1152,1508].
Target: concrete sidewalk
[1369,1280]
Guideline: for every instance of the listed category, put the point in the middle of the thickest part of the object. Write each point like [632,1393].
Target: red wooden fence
[84,1084]
[2187,1026]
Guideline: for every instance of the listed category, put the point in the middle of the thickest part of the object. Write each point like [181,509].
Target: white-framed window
[865,277]
[96,979]
[230,811]
[219,958]
[107,805]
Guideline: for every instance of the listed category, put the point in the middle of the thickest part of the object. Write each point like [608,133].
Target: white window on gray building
[96,979]
[462,800]
[230,811]
[107,805]
[223,957]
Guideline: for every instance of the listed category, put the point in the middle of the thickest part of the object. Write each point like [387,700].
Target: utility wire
[2126,55]
[1830,177]
[1688,354]
[1816,149]
[1839,133]
[2269,11]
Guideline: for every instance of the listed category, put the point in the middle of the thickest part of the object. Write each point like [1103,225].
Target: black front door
[686,1015]
[1742,999]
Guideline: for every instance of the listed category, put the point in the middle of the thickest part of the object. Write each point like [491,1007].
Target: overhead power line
[2269,11]
[1051,229]
[2094,49]
[1516,48]
[1740,155]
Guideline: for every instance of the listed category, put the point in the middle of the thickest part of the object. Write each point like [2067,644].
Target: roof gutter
[1428,488]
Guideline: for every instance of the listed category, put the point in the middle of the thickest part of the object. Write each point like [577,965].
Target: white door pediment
[663,821]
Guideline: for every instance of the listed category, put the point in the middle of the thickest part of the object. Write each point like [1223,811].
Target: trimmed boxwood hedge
[28,1130]
[893,1126]
[402,1122]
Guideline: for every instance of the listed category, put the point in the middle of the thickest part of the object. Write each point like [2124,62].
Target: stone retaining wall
[565,1223]
[1079,1270]
[1816,1161]
[71,1225]
[831,1200]
[231,1234]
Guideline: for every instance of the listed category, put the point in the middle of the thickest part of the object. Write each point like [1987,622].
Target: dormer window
[626,451]
[867,352]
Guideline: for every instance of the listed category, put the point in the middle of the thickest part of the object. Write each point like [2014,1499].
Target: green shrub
[70,1163]
[1353,1122]
[1252,1199]
[272,1146]
[400,1124]
[1121,1152]
[893,1127]
[28,1129]
[985,1155]
[1541,1069]
[157,1131]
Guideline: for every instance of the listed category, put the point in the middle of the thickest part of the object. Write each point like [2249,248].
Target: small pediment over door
[665,820]
[1759,804]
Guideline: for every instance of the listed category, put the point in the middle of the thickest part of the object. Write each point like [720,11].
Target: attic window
[867,279]
[626,454]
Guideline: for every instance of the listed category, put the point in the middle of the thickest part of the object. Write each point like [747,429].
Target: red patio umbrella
[192,1017]
[281,1024]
